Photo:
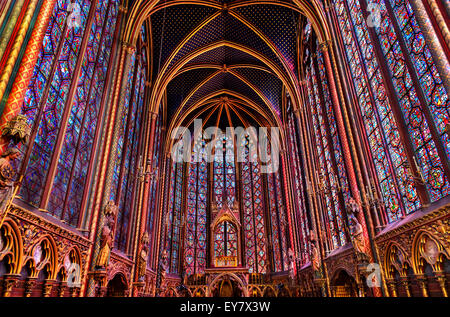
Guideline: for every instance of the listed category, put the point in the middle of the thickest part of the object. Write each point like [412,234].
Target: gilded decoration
[425,238]
[17,130]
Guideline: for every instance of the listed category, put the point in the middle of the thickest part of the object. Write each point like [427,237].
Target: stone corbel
[9,281]
[62,289]
[74,291]
[30,283]
[47,288]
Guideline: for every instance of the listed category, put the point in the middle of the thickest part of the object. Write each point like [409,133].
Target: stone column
[16,47]
[422,281]
[405,283]
[10,25]
[440,276]
[392,287]
[109,154]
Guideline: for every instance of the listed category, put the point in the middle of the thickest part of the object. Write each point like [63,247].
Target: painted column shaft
[18,41]
[10,24]
[22,80]
[437,51]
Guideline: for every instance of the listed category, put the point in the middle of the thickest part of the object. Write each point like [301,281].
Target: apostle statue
[143,256]
[164,264]
[7,174]
[107,234]
[356,231]
[291,259]
[315,256]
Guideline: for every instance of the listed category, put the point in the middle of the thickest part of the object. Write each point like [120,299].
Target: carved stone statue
[356,231]
[315,257]
[7,174]
[17,130]
[291,259]
[143,256]
[164,264]
[107,234]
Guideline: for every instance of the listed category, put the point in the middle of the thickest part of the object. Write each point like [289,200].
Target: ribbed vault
[246,48]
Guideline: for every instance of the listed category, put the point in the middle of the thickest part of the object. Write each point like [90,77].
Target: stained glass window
[225,240]
[127,161]
[253,210]
[327,176]
[380,127]
[173,227]
[195,243]
[47,106]
[278,221]
[155,182]
[76,150]
[224,171]
[400,51]
[417,87]
[299,193]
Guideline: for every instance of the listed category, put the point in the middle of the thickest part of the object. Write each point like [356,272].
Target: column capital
[128,47]
[153,115]
[325,45]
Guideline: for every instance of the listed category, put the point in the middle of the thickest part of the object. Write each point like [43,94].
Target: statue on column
[315,255]
[143,256]
[107,234]
[291,259]
[356,231]
[164,266]
[7,174]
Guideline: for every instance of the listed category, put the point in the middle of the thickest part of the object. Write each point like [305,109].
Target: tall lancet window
[225,241]
[64,104]
[327,177]
[417,84]
[155,186]
[174,214]
[388,152]
[195,243]
[124,182]
[278,221]
[253,209]
[411,85]
[224,171]
[299,200]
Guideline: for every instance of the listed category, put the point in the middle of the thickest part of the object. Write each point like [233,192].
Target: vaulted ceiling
[246,51]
